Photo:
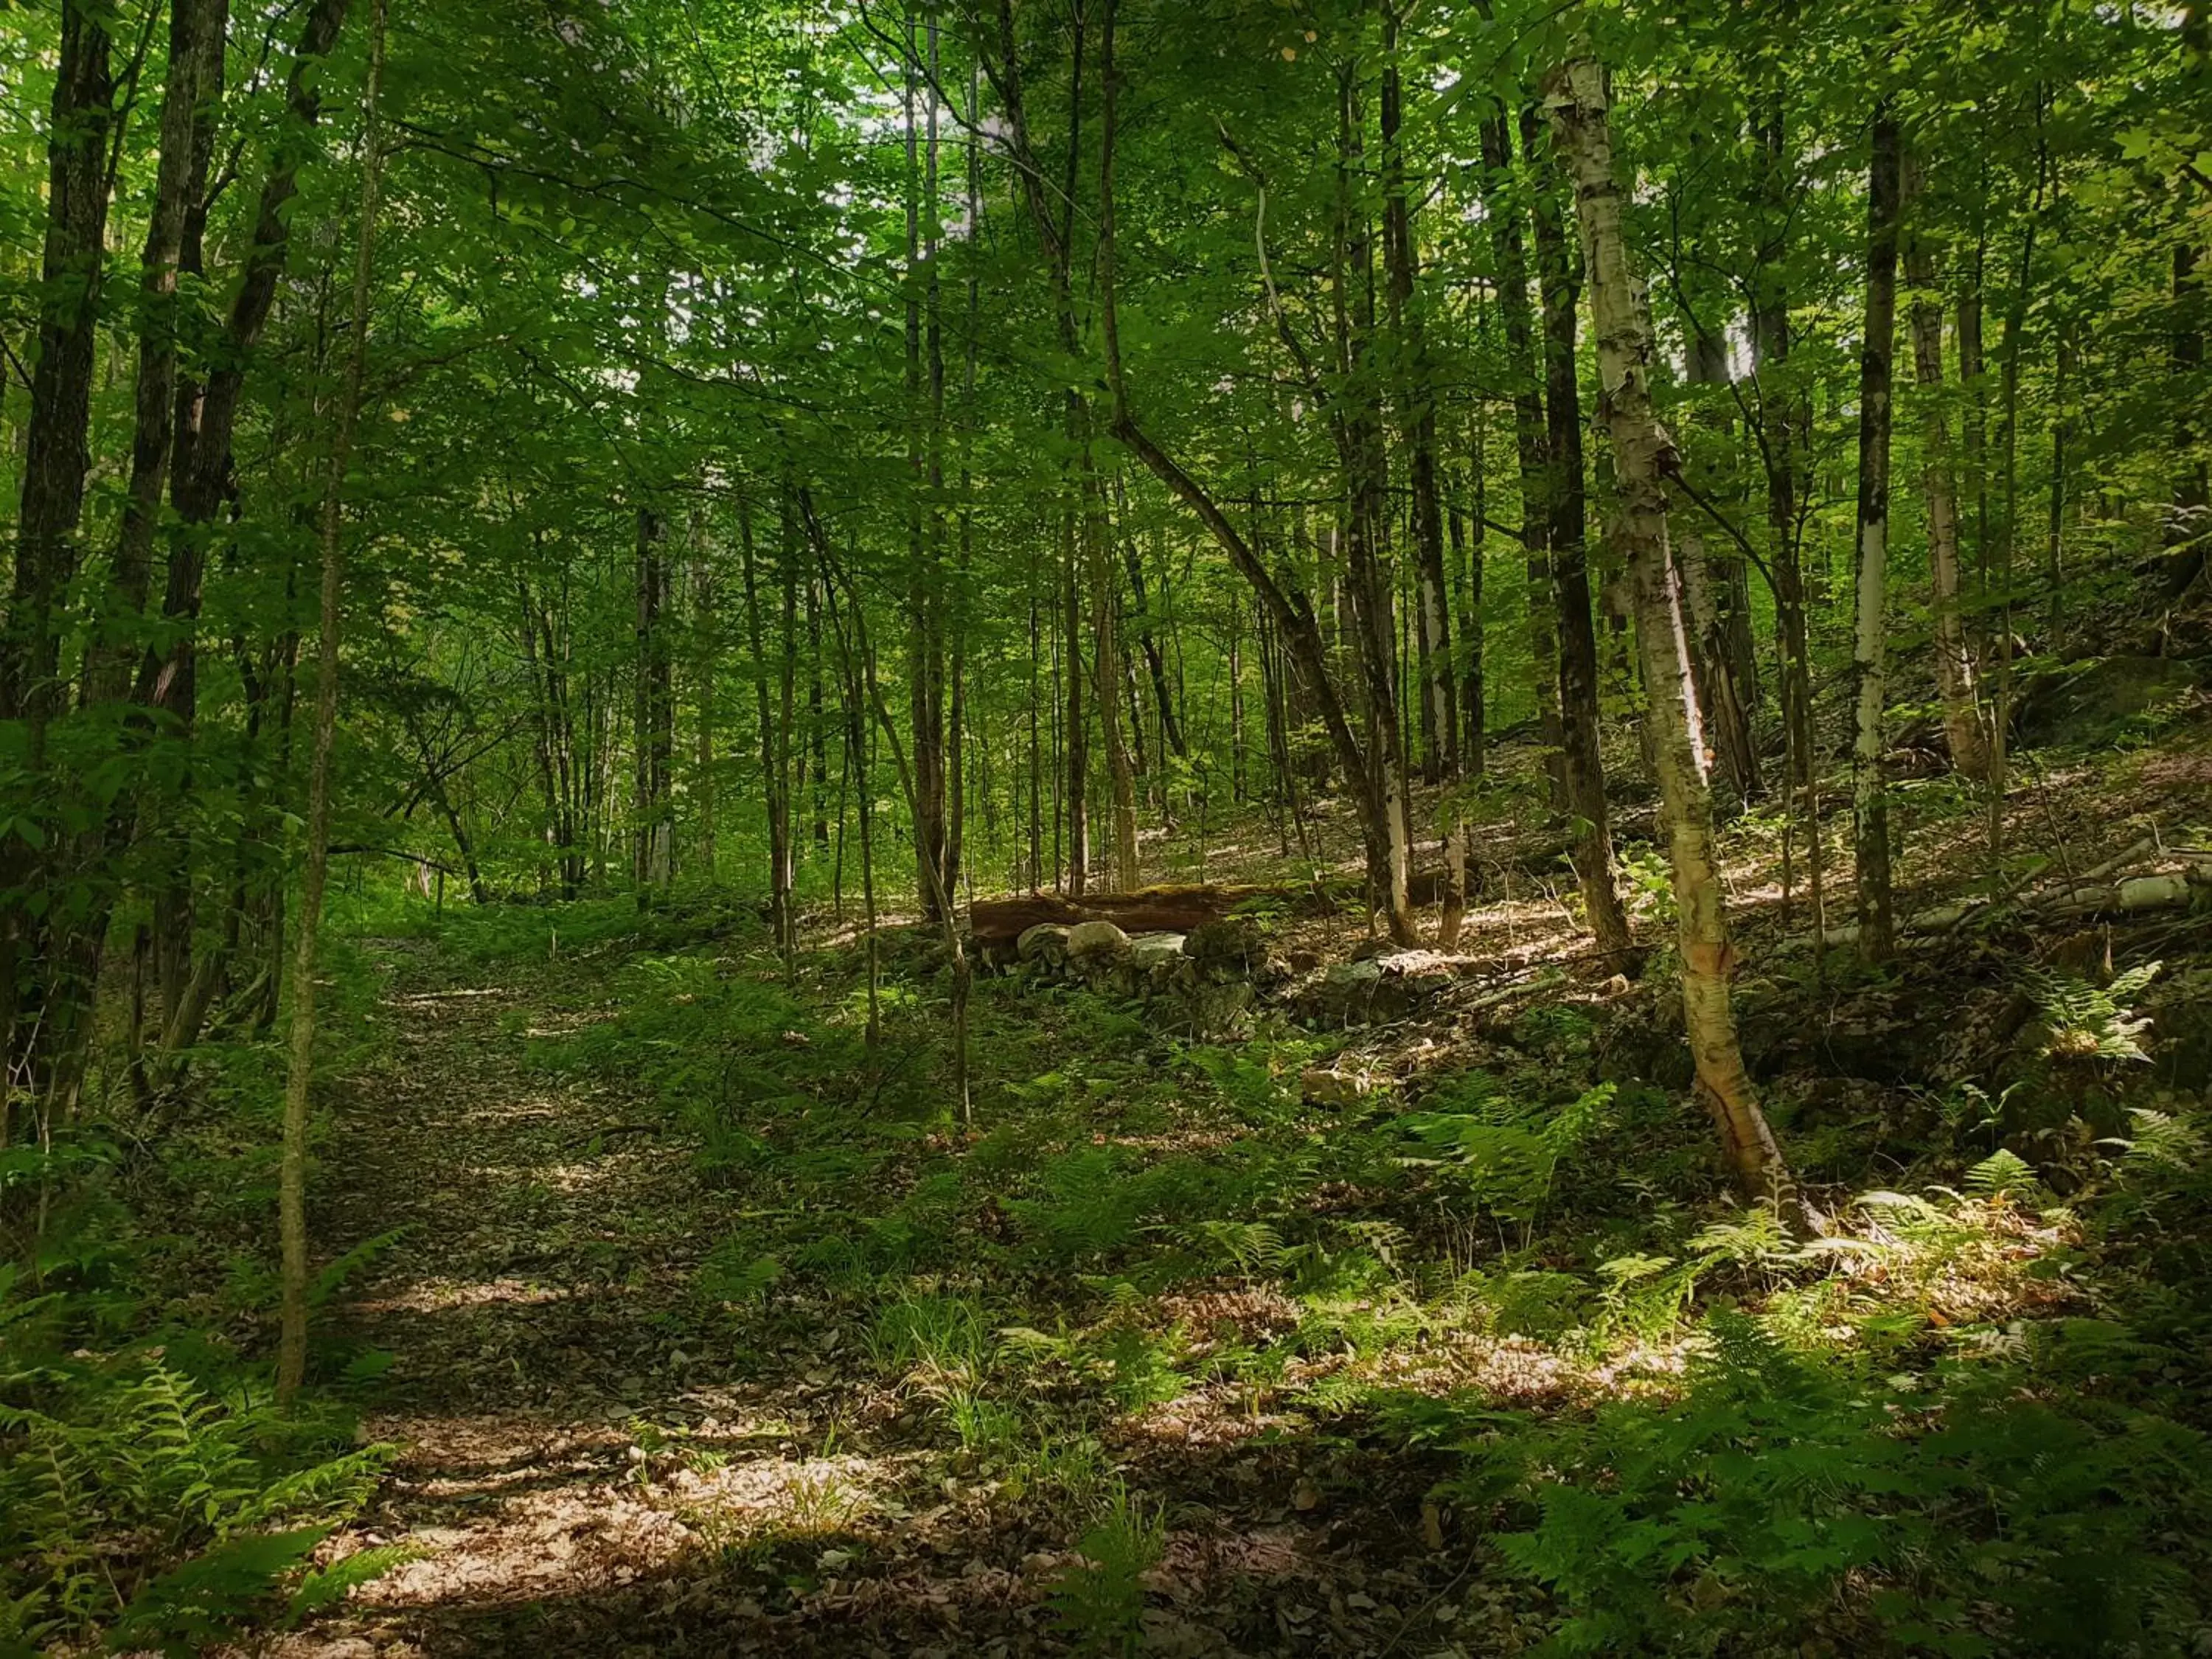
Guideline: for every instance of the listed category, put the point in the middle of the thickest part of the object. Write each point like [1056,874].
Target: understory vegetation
[1521,1316]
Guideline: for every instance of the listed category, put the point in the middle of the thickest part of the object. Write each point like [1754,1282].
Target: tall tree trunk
[1037,768]
[1416,400]
[1075,740]
[201,483]
[2187,532]
[955,948]
[706,671]
[773,746]
[1111,673]
[1466,547]
[1974,422]
[816,732]
[1358,429]
[1501,215]
[1052,214]
[1783,419]
[1963,727]
[654,862]
[1714,582]
[1869,678]
[1156,664]
[2011,347]
[1576,93]
[292,1183]
[1568,530]
[197,32]
[957,779]
[56,458]
[1292,612]
[925,356]
[56,451]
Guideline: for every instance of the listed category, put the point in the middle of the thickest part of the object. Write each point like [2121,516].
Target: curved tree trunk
[1291,611]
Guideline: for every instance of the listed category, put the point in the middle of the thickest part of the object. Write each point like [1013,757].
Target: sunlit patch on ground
[435,1295]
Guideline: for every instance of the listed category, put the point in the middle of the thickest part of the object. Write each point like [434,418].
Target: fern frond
[2003,1172]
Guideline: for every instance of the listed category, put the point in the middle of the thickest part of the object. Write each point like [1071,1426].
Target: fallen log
[994,923]
[998,923]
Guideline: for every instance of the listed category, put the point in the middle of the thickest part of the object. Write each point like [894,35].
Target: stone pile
[1207,981]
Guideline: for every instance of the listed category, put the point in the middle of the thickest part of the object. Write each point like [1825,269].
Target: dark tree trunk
[654,730]
[1567,529]
[56,453]
[197,32]
[201,484]
[56,459]
[1870,795]
[1501,196]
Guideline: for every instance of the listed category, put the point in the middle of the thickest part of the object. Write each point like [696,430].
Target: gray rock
[1046,937]
[1090,942]
[1380,989]
[1235,942]
[1152,952]
[1216,1011]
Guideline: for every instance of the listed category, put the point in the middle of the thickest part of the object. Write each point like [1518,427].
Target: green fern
[1090,1208]
[2086,1021]
[2162,1143]
[1510,1153]
[190,1607]
[143,1506]
[2002,1172]
[1101,1600]
[326,1587]
[1247,1248]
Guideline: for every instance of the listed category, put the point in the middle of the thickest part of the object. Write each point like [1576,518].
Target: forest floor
[710,1329]
[598,1459]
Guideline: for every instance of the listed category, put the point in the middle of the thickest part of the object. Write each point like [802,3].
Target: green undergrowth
[1968,1421]
[151,1497]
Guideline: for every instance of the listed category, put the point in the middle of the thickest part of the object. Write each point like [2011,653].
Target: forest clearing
[1285,827]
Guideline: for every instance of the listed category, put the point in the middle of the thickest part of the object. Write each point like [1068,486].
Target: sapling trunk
[292,1174]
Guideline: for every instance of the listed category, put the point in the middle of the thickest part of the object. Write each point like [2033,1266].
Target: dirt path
[596,1460]
[536,1312]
